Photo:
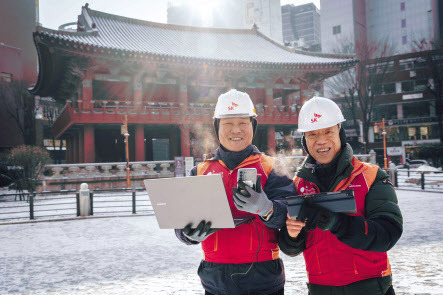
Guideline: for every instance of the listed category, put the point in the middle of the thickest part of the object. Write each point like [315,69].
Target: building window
[406,64]
[416,110]
[404,39]
[403,6]
[407,86]
[403,23]
[421,85]
[336,30]
[389,88]
[420,63]
[411,133]
[6,77]
[387,112]
[424,132]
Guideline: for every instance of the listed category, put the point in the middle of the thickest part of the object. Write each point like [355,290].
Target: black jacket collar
[343,170]
[233,159]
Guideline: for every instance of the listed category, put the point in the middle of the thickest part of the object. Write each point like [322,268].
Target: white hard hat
[234,104]
[319,113]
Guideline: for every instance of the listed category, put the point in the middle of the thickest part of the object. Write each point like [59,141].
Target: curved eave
[49,69]
[91,49]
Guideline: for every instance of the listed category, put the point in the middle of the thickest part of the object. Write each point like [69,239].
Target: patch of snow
[427,168]
[131,255]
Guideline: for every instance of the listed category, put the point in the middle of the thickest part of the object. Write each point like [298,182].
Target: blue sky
[53,13]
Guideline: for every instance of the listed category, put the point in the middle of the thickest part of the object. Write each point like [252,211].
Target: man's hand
[294,227]
[252,201]
[200,233]
[315,216]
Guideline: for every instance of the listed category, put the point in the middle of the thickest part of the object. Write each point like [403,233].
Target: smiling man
[245,259]
[344,254]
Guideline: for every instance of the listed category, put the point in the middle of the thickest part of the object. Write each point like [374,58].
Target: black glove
[316,216]
[200,233]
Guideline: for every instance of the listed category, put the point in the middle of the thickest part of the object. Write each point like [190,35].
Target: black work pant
[390,291]
[279,292]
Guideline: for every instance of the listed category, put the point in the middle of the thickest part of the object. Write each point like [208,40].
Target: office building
[301,26]
[400,23]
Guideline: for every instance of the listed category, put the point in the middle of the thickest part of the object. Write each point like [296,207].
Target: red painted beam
[177,116]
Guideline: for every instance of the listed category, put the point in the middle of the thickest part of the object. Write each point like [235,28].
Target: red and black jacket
[239,245]
[355,250]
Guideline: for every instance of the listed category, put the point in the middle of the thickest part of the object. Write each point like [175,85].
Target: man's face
[323,144]
[235,134]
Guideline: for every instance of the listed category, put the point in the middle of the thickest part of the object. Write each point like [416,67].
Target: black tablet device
[341,201]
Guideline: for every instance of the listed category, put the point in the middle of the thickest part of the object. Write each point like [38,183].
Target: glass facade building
[302,24]
[401,23]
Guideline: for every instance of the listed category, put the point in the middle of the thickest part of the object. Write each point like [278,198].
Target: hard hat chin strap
[217,126]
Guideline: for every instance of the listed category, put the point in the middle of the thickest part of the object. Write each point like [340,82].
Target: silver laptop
[179,201]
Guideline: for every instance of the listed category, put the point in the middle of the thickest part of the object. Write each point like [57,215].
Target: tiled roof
[114,32]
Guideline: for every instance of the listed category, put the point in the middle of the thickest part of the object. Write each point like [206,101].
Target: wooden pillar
[271,140]
[138,92]
[305,93]
[185,141]
[89,143]
[139,143]
[81,146]
[269,100]
[69,150]
[183,95]
[87,91]
[75,146]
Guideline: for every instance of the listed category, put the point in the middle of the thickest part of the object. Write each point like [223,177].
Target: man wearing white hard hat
[243,260]
[344,254]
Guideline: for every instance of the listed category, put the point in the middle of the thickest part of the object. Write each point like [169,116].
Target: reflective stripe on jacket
[240,244]
[331,262]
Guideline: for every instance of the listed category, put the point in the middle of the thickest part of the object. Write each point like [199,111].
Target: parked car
[402,166]
[417,163]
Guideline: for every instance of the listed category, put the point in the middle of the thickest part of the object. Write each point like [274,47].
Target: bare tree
[51,111]
[19,105]
[360,86]
[432,57]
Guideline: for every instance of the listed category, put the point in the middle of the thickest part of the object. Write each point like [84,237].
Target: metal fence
[65,204]
[417,180]
[118,202]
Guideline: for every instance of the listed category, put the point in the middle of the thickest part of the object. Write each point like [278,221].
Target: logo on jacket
[307,190]
[316,116]
[354,185]
[231,107]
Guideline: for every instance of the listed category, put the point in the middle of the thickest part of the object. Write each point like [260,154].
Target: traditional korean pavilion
[166,80]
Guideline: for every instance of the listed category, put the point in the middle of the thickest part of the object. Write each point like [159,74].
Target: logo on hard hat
[316,116]
[231,107]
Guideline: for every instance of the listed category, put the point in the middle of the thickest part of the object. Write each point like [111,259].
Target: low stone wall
[102,175]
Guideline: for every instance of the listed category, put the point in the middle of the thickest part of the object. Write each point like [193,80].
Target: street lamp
[125,133]
[382,125]
[362,137]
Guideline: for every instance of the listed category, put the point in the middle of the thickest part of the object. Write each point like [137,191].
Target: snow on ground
[412,179]
[130,255]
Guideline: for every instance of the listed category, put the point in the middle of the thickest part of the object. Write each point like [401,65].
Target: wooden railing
[113,111]
[174,108]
